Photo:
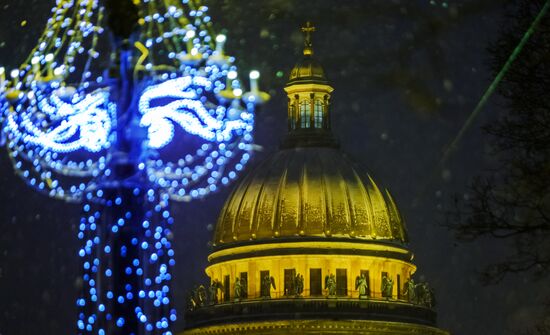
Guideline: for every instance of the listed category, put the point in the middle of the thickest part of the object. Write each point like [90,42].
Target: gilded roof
[308,192]
[307,71]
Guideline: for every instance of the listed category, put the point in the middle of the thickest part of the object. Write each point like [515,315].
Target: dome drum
[313,263]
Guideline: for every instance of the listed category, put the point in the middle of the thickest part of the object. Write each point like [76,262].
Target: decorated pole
[126,275]
[104,137]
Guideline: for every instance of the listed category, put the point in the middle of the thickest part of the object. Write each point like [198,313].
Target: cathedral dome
[307,243]
[309,192]
[307,71]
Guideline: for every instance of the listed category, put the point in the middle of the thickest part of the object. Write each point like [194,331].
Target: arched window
[318,114]
[305,112]
[292,117]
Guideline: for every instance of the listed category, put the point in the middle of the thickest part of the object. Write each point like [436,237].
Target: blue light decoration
[166,120]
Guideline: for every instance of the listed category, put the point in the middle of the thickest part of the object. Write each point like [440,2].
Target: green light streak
[488,93]
[491,89]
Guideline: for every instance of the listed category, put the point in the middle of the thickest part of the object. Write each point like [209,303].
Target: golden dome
[308,192]
[304,214]
[307,71]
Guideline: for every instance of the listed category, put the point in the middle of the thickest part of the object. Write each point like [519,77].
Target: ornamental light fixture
[125,106]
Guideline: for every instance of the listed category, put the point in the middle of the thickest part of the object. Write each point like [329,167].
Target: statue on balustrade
[299,285]
[425,295]
[330,285]
[268,282]
[215,286]
[192,303]
[201,295]
[409,291]
[197,298]
[387,287]
[238,289]
[362,286]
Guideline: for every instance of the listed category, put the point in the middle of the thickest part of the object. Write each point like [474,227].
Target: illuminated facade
[307,243]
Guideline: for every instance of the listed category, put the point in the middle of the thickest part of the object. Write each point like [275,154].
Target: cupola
[309,94]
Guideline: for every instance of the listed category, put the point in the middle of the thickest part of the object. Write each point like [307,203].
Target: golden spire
[308,45]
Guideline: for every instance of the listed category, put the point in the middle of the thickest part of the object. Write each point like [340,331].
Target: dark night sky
[406,76]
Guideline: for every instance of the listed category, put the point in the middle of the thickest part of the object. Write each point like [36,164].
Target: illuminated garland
[188,111]
[65,132]
[82,124]
[48,117]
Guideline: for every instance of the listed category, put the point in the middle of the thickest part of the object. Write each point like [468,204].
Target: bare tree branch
[512,202]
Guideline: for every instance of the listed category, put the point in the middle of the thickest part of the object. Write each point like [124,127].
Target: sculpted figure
[201,295]
[267,283]
[409,291]
[238,289]
[197,298]
[387,287]
[330,285]
[425,295]
[192,303]
[213,291]
[362,286]
[299,285]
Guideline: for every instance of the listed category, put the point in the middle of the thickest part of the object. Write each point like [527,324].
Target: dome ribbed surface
[308,192]
[307,71]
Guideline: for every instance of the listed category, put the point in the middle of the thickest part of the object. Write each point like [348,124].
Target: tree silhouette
[512,201]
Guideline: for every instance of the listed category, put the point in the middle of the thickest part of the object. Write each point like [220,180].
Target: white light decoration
[254,75]
[232,75]
[14,74]
[220,43]
[72,135]
[2,79]
[255,96]
[188,111]
[85,124]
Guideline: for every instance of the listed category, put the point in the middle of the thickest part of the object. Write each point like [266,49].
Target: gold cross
[308,30]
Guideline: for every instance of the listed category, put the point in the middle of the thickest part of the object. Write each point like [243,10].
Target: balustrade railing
[203,297]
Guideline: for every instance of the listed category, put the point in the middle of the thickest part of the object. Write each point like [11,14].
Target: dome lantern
[309,96]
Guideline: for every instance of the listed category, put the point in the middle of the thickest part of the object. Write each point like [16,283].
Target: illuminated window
[318,114]
[292,117]
[305,112]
